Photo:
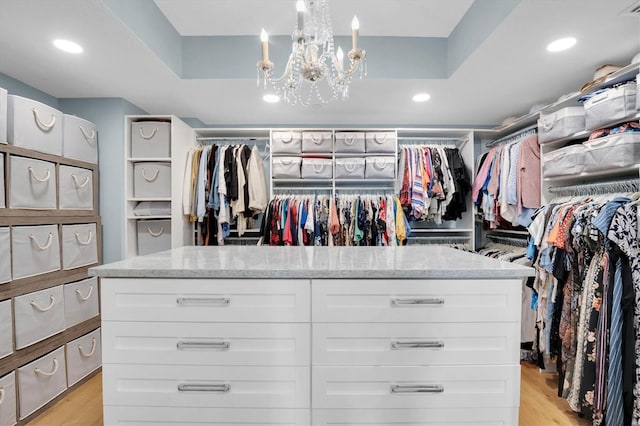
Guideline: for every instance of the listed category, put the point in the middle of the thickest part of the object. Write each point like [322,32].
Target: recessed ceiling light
[67,46]
[421,97]
[271,98]
[561,44]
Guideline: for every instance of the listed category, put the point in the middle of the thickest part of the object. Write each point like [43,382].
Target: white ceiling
[506,74]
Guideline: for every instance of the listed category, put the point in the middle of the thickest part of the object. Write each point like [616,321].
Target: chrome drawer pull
[413,302]
[223,388]
[425,344]
[218,301]
[417,389]
[217,346]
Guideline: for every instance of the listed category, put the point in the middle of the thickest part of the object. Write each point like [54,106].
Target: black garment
[458,204]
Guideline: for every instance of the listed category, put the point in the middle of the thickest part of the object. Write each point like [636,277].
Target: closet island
[311,335]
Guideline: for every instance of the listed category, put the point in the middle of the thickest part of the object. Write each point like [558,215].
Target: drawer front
[184,300]
[80,139]
[33,125]
[2,196]
[8,407]
[79,245]
[416,300]
[150,139]
[76,188]
[81,301]
[84,355]
[411,387]
[481,416]
[416,344]
[207,344]
[5,255]
[179,416]
[152,180]
[38,315]
[206,386]
[32,184]
[41,381]
[35,250]
[6,329]
[153,236]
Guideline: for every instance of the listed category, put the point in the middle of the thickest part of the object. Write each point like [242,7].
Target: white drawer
[33,125]
[76,188]
[84,355]
[41,381]
[80,139]
[416,300]
[480,416]
[6,329]
[151,139]
[205,386]
[8,407]
[79,245]
[5,255]
[38,315]
[152,180]
[416,344]
[35,250]
[32,184]
[179,416]
[206,344]
[224,300]
[411,387]
[3,202]
[3,121]
[81,301]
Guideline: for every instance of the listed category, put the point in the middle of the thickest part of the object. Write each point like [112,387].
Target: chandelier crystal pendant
[315,72]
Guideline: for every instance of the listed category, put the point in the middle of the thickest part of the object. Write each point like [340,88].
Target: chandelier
[315,73]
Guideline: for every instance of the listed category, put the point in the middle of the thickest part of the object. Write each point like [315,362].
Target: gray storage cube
[6,329]
[317,142]
[380,142]
[317,168]
[84,355]
[560,124]
[380,168]
[350,142]
[613,104]
[33,125]
[76,188]
[8,411]
[564,161]
[286,142]
[80,301]
[38,315]
[32,184]
[349,168]
[286,167]
[5,255]
[80,139]
[79,245]
[153,236]
[41,380]
[3,115]
[619,150]
[35,250]
[151,139]
[152,180]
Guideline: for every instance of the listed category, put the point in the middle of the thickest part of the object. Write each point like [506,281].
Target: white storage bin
[84,355]
[286,142]
[32,184]
[619,150]
[286,167]
[3,119]
[41,381]
[153,236]
[383,142]
[79,245]
[152,180]
[38,315]
[152,208]
[317,142]
[614,104]
[35,250]
[76,188]
[2,197]
[151,139]
[5,255]
[317,168]
[80,139]
[564,161]
[80,301]
[6,329]
[349,168]
[380,168]
[8,408]
[560,124]
[33,125]
[349,142]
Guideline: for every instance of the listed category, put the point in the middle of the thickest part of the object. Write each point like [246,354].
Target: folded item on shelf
[600,75]
[153,208]
[629,127]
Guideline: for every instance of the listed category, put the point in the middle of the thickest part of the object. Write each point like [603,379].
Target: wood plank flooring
[539,405]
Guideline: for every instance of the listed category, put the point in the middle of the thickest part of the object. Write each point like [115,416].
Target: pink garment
[481,177]
[494,180]
[529,174]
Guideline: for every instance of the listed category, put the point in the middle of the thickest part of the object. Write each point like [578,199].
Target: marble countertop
[312,262]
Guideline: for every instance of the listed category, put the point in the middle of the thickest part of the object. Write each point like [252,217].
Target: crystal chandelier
[315,73]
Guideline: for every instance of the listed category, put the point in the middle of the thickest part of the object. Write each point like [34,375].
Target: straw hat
[601,74]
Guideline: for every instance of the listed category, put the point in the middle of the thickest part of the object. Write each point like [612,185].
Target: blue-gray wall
[15,87]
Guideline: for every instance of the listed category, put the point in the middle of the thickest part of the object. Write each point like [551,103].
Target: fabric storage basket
[32,184]
[286,142]
[151,139]
[76,188]
[33,125]
[153,236]
[3,119]
[152,180]
[41,380]
[618,150]
[6,329]
[2,196]
[80,139]
[564,161]
[153,208]
[349,168]
[5,255]
[38,315]
[560,124]
[286,167]
[8,414]
[317,168]
[383,142]
[80,301]
[380,168]
[613,104]
[35,250]
[317,142]
[84,355]
[79,245]
[349,142]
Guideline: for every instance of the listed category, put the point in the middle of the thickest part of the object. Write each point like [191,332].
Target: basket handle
[152,178]
[380,164]
[548,122]
[91,352]
[78,184]
[284,139]
[153,133]
[84,243]
[33,175]
[380,137]
[46,246]
[154,234]
[44,126]
[317,167]
[52,301]
[89,136]
[84,298]
[350,167]
[52,373]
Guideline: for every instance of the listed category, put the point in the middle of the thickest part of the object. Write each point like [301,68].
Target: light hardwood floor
[539,405]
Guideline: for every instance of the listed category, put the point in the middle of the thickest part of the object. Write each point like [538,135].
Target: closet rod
[625,185]
[414,140]
[232,139]
[308,190]
[518,134]
[510,241]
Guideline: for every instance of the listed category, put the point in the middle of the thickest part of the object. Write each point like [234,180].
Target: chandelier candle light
[313,60]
